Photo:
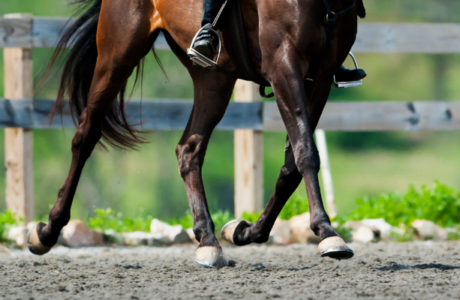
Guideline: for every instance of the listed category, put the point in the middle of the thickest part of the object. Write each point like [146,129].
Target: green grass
[295,206]
[439,204]
[108,219]
[7,220]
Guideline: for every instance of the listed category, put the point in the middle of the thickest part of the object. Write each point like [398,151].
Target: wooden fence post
[248,157]
[18,141]
[326,172]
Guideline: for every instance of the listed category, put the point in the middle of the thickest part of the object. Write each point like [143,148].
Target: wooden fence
[247,116]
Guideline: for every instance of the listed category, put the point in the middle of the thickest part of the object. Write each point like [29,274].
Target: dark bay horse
[285,39]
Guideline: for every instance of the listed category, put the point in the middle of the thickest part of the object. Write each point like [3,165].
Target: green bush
[294,206]
[440,204]
[108,219]
[220,218]
[251,217]
[186,221]
[7,220]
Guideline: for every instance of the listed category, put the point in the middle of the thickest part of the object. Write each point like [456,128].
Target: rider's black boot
[347,75]
[207,41]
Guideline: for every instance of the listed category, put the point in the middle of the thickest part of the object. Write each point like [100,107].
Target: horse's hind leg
[120,48]
[209,107]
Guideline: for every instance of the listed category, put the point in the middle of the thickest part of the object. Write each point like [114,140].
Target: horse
[286,41]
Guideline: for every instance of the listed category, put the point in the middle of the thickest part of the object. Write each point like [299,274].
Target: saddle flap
[239,46]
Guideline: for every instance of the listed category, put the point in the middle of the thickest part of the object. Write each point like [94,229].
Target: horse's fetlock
[322,227]
[59,220]
[202,230]
[315,229]
[261,237]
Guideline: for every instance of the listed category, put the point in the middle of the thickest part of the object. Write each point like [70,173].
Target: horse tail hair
[78,69]
[361,9]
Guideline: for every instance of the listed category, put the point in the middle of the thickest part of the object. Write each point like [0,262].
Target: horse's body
[284,38]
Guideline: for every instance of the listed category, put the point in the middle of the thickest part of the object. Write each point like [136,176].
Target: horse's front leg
[287,182]
[212,94]
[300,109]
[293,101]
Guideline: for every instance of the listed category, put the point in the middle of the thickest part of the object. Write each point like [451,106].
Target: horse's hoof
[33,242]
[229,230]
[211,257]
[335,247]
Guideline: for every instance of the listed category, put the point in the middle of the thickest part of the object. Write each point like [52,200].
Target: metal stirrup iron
[199,58]
[348,84]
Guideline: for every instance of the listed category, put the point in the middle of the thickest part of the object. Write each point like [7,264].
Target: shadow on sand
[398,267]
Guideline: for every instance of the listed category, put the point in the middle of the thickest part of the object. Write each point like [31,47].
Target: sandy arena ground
[418,270]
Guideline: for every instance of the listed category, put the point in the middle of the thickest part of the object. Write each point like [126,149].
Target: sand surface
[417,270]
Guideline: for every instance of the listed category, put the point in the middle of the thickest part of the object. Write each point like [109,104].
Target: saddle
[240,52]
[238,44]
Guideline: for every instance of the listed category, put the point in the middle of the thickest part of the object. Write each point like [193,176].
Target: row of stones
[296,230]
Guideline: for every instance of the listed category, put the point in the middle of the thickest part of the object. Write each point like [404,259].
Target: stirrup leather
[199,58]
[348,84]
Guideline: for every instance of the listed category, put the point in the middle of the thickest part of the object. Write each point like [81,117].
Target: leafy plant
[344,232]
[407,235]
[251,217]
[440,204]
[107,219]
[186,221]
[7,220]
[294,206]
[220,218]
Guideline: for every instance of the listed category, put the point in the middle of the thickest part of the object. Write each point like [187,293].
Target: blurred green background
[371,163]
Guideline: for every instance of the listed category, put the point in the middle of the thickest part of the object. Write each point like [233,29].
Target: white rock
[18,234]
[301,231]
[401,229]
[428,230]
[281,232]
[76,234]
[4,251]
[378,226]
[191,235]
[363,234]
[175,234]
[139,238]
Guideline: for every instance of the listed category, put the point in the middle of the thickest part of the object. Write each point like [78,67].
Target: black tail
[78,73]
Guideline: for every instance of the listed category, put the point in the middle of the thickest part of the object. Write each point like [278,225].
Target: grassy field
[147,181]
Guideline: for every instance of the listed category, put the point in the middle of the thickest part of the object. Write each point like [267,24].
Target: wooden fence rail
[247,116]
[40,32]
[165,114]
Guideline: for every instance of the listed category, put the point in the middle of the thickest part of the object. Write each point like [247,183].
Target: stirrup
[348,84]
[199,58]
